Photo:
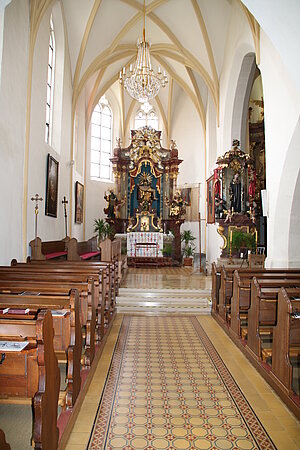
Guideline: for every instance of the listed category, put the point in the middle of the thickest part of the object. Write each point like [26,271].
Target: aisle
[166,390]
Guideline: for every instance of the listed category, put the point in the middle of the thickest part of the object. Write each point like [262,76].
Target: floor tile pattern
[167,388]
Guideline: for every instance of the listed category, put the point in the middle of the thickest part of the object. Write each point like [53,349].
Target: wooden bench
[67,341]
[215,286]
[32,373]
[262,314]
[240,300]
[60,283]
[83,251]
[48,250]
[226,285]
[104,272]
[286,340]
[111,250]
[3,444]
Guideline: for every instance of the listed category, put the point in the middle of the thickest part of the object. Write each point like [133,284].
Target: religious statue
[229,214]
[177,205]
[252,184]
[235,193]
[146,193]
[220,206]
[112,200]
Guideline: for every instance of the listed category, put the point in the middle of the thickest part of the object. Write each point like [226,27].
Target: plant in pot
[188,249]
[102,228]
[242,241]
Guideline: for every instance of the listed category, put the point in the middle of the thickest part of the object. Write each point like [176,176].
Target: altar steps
[163,301]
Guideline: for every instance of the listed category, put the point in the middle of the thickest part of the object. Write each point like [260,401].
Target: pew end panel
[42,373]
[286,340]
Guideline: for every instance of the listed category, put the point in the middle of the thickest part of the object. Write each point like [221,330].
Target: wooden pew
[215,286]
[67,331]
[110,253]
[262,314]
[103,271]
[240,301]
[33,373]
[60,283]
[3,444]
[48,250]
[111,250]
[226,285]
[14,285]
[286,339]
[83,251]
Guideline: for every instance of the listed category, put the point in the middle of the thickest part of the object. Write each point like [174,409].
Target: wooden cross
[36,199]
[65,202]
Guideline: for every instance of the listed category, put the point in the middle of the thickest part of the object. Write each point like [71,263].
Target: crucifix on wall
[65,202]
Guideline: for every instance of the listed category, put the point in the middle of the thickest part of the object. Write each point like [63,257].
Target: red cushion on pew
[55,255]
[89,255]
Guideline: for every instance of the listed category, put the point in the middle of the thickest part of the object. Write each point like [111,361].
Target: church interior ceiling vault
[193,61]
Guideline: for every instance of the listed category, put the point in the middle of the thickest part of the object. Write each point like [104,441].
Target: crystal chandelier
[141,82]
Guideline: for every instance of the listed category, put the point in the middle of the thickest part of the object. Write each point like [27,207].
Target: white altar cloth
[142,237]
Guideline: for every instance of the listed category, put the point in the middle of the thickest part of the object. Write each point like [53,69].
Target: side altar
[145,203]
[234,203]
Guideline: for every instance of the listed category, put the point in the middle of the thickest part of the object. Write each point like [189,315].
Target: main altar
[145,204]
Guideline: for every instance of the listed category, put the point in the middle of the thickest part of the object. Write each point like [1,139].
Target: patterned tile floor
[168,389]
[280,424]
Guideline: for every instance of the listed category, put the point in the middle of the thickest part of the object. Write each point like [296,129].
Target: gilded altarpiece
[145,183]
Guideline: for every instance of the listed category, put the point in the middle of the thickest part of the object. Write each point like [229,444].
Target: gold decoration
[220,231]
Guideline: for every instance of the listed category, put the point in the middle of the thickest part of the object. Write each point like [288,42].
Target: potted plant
[188,249]
[242,240]
[102,228]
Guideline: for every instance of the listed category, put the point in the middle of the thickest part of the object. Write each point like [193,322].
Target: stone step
[166,301]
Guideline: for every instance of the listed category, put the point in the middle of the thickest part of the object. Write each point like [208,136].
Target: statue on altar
[235,193]
[146,193]
[177,205]
[113,203]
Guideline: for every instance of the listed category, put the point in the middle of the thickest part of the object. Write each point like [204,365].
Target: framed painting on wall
[79,188]
[51,187]
[210,192]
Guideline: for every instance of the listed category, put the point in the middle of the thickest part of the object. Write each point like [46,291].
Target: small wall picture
[78,202]
[51,187]
[186,194]
[210,200]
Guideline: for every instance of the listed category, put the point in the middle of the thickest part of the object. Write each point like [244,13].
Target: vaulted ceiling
[188,40]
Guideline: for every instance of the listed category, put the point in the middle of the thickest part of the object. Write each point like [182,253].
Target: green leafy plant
[188,251]
[187,238]
[167,249]
[102,228]
[241,239]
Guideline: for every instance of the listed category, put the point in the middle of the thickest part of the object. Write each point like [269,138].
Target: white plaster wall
[12,128]
[282,109]
[280,21]
[49,228]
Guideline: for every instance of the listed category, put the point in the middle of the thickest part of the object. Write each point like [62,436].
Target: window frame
[146,118]
[99,136]
[50,84]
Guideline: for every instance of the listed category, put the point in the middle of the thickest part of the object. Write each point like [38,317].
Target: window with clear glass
[149,118]
[50,84]
[101,141]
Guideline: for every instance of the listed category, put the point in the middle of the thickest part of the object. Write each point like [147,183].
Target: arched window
[146,116]
[50,84]
[101,141]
